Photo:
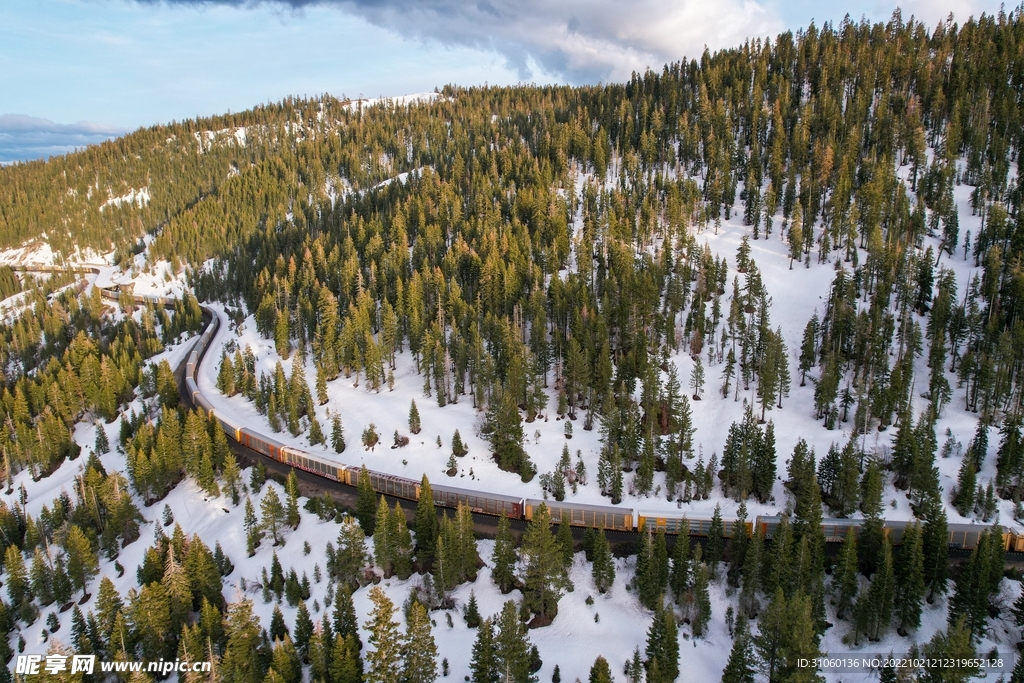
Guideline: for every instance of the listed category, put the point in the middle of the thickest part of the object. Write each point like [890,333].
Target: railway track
[318,476]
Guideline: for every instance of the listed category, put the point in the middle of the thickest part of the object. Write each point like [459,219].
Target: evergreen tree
[366,502]
[544,576]
[414,418]
[504,556]
[702,601]
[385,660]
[512,647]
[770,639]
[910,586]
[663,647]
[565,542]
[292,516]
[935,546]
[742,664]
[337,434]
[241,662]
[344,620]
[875,606]
[600,672]
[273,513]
[253,531]
[472,612]
[419,653]
[303,629]
[484,663]
[278,629]
[426,524]
[844,581]
[603,569]
[459,448]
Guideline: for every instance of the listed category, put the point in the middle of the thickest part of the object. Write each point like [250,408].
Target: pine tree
[663,646]
[565,542]
[102,442]
[285,665]
[241,662]
[603,570]
[544,575]
[385,660]
[935,546]
[869,546]
[716,540]
[680,578]
[18,585]
[426,524]
[230,473]
[876,605]
[472,612]
[504,556]
[83,564]
[752,569]
[346,663]
[366,503]
[910,587]
[253,531]
[303,629]
[702,601]
[966,483]
[414,418]
[419,652]
[278,629]
[459,448]
[600,672]
[273,513]
[344,620]
[697,378]
[844,581]
[484,663]
[292,516]
[741,666]
[383,544]
[337,434]
[512,646]
[401,543]
[770,639]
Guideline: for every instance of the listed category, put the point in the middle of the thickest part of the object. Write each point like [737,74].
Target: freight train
[609,517]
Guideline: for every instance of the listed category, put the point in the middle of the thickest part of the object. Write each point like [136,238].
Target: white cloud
[578,40]
[23,138]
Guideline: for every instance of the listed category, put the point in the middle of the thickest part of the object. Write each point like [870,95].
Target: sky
[75,72]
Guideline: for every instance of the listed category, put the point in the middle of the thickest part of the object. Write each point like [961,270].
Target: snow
[139,198]
[796,294]
[399,101]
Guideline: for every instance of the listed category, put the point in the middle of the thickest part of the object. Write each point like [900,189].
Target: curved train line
[609,517]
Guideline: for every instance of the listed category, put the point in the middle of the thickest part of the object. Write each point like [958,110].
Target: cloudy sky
[74,72]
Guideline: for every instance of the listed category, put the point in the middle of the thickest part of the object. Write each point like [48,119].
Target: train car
[206,406]
[597,516]
[191,387]
[1016,540]
[697,526]
[259,443]
[230,428]
[966,536]
[305,461]
[478,501]
[836,530]
[387,484]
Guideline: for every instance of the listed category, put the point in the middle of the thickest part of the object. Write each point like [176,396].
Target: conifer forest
[782,281]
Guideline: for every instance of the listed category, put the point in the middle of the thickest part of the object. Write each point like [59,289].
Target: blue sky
[78,71]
